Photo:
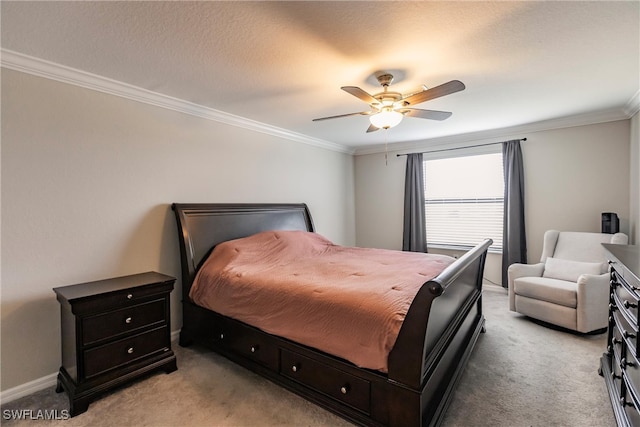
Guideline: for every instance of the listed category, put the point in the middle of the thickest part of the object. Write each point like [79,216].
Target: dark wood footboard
[441,327]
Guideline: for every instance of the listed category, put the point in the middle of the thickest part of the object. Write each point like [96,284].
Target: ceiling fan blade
[372,128]
[426,114]
[359,93]
[362,113]
[435,92]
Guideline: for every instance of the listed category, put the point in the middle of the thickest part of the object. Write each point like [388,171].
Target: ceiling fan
[388,107]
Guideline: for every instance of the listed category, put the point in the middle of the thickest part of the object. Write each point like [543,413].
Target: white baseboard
[47,381]
[28,388]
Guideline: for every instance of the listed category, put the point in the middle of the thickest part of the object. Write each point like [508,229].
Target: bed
[434,342]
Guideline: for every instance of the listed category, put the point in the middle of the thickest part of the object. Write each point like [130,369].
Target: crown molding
[53,71]
[633,106]
[493,135]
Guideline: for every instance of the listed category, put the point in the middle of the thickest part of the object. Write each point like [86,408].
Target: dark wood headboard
[201,226]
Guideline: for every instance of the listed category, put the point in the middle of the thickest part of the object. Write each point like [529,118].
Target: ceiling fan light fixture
[385,119]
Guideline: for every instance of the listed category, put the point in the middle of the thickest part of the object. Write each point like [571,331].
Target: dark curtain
[514,241]
[414,231]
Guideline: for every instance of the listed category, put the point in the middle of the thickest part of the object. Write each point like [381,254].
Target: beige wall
[634,195]
[572,175]
[87,180]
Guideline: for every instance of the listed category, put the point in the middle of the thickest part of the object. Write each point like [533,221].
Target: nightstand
[113,331]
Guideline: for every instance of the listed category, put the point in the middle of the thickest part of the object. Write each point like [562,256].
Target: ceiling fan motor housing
[385,79]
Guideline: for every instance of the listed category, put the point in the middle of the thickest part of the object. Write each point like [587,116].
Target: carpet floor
[520,374]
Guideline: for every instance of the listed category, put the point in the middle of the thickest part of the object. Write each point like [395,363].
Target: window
[464,199]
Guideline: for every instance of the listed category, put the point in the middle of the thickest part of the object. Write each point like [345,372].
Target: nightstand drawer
[91,298]
[100,359]
[130,319]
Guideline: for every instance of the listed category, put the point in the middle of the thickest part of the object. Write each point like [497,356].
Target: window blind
[464,201]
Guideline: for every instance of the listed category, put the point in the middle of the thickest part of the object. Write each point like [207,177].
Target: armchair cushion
[555,291]
[564,269]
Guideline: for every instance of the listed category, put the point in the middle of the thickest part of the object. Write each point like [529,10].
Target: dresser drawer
[627,331]
[100,359]
[622,274]
[126,320]
[631,370]
[337,384]
[629,401]
[616,343]
[626,299]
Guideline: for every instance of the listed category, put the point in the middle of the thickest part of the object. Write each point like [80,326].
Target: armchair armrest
[521,270]
[593,302]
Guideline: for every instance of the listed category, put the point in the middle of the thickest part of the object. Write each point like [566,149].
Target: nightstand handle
[129,296]
[130,350]
[128,320]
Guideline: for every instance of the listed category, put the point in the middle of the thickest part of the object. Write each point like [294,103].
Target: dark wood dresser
[620,365]
[113,331]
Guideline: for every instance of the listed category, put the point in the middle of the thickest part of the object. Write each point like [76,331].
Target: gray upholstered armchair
[569,287]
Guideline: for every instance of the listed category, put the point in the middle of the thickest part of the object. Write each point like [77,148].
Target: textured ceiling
[283,63]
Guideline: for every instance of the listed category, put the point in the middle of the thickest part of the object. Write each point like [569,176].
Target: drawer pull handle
[294,368]
[614,376]
[624,363]
[615,341]
[129,296]
[628,304]
[623,402]
[128,320]
[221,336]
[130,350]
[612,307]
[345,389]
[254,348]
[628,334]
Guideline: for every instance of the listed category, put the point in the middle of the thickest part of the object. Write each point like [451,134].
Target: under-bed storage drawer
[335,383]
[251,344]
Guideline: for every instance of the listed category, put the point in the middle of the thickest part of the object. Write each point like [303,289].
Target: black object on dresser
[113,331]
[620,365]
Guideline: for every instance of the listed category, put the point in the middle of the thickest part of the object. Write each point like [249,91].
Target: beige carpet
[520,374]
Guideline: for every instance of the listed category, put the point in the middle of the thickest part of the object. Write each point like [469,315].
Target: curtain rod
[457,148]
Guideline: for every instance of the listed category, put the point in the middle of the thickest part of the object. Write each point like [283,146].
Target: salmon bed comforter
[346,301]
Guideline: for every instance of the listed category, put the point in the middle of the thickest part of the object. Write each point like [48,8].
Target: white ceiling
[283,63]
